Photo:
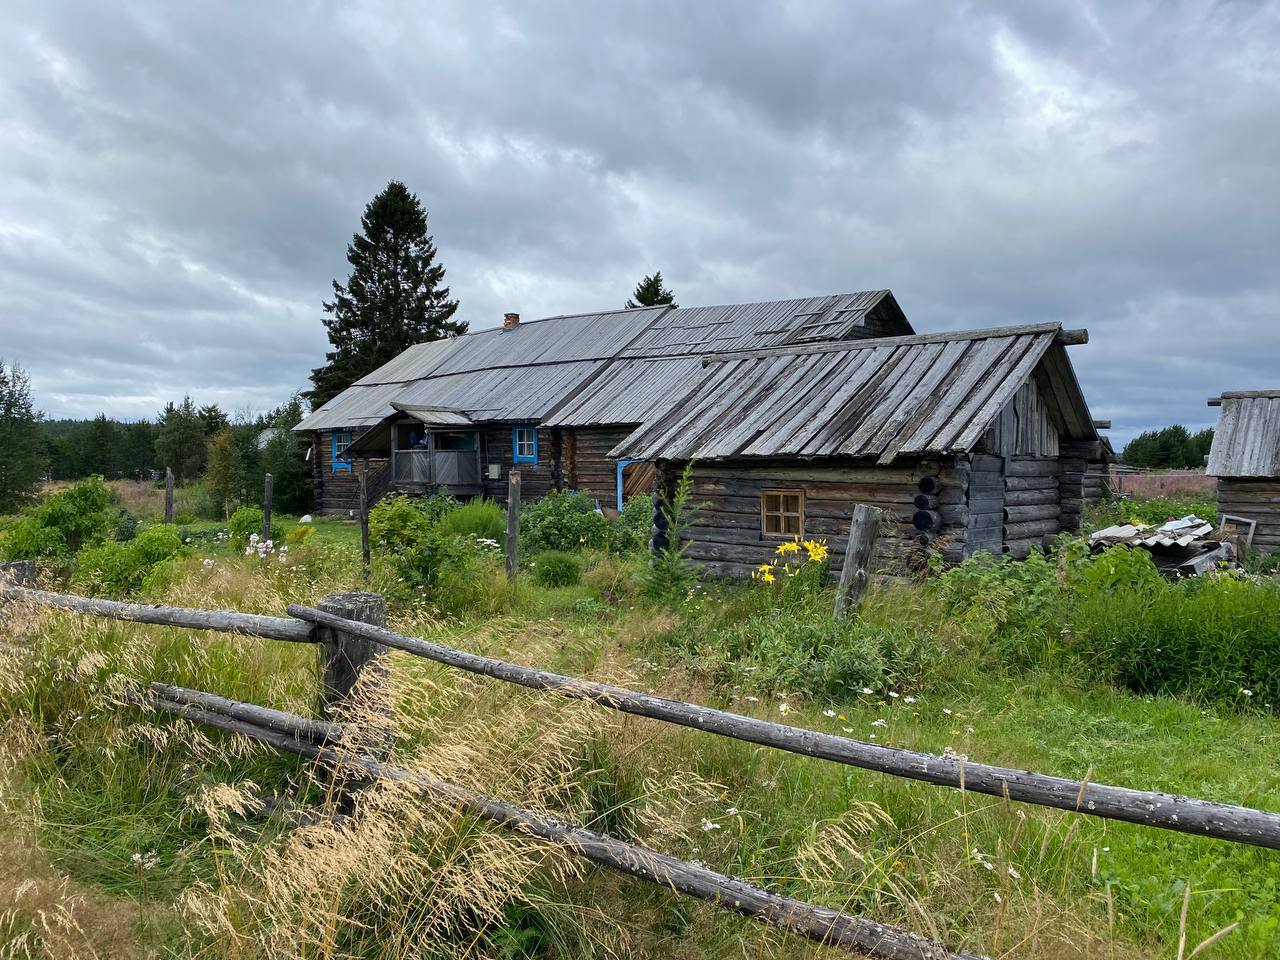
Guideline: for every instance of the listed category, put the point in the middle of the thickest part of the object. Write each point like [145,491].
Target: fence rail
[313,738]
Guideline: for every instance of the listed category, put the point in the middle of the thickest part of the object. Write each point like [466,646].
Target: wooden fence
[351,633]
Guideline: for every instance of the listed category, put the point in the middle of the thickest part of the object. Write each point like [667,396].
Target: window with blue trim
[524,443]
[341,440]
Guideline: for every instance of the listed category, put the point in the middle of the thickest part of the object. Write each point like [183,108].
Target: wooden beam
[1102,424]
[227,621]
[513,525]
[864,530]
[1152,808]
[1071,338]
[822,924]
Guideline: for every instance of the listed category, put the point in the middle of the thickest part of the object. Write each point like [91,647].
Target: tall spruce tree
[394,298]
[180,440]
[22,451]
[650,292]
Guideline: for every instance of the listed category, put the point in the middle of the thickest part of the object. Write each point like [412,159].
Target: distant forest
[1172,448]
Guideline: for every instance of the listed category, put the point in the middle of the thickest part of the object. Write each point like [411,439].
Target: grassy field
[129,836]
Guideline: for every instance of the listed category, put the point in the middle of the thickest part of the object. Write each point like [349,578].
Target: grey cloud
[180,184]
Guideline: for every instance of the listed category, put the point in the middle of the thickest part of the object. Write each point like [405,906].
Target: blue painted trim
[339,466]
[622,465]
[515,444]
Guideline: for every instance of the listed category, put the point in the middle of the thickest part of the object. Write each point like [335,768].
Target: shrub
[185,519]
[297,536]
[631,531]
[126,527]
[671,573]
[562,520]
[481,518]
[119,569]
[397,524]
[247,521]
[556,568]
[63,523]
[813,654]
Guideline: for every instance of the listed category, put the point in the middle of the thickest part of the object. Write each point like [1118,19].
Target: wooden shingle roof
[1246,441]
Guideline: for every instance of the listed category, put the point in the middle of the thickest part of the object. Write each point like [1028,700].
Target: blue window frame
[340,440]
[524,443]
[622,465]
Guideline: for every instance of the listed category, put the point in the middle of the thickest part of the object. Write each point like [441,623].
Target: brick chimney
[510,321]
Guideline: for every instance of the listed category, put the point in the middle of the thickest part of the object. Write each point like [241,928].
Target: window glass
[525,444]
[782,513]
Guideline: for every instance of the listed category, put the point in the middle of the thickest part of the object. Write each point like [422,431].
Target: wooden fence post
[266,508]
[864,529]
[364,524]
[20,573]
[168,495]
[513,524]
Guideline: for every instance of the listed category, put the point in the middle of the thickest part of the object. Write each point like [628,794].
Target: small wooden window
[782,513]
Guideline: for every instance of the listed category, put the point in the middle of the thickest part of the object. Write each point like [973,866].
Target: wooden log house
[793,411]
[1245,457]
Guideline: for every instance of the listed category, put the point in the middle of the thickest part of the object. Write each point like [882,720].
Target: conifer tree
[395,296]
[22,457]
[226,469]
[180,440]
[650,292]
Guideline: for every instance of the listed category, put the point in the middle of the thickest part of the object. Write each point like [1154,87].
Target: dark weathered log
[1037,511]
[168,495]
[1088,449]
[926,520]
[266,504]
[513,524]
[929,484]
[1030,529]
[864,530]
[987,463]
[346,656]
[1117,803]
[954,515]
[926,501]
[1102,424]
[729,893]
[315,731]
[1032,468]
[1026,498]
[1071,338]
[227,621]
[1031,483]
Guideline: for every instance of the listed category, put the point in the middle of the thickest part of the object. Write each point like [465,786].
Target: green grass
[997,681]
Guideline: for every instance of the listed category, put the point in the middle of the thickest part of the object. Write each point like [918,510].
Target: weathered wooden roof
[1246,441]
[877,399]
[529,371]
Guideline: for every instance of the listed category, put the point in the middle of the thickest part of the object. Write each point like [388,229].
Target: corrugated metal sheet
[540,351]
[876,398]
[1246,441]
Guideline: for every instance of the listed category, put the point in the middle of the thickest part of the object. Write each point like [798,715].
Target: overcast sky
[178,183]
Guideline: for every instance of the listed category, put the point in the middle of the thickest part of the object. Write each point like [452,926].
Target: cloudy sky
[178,183]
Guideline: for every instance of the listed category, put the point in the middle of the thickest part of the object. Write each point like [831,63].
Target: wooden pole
[364,524]
[1148,807]
[315,731]
[266,508]
[348,660]
[822,924]
[513,525]
[226,621]
[168,495]
[864,529]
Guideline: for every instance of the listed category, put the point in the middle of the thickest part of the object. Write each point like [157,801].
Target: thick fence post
[364,524]
[864,529]
[513,524]
[20,573]
[266,507]
[168,495]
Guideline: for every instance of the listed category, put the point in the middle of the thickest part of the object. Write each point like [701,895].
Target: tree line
[1171,448]
[231,455]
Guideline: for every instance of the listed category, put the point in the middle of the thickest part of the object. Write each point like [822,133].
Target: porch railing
[432,467]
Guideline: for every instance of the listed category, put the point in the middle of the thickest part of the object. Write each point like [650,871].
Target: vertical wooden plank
[364,525]
[864,530]
[513,524]
[266,507]
[168,495]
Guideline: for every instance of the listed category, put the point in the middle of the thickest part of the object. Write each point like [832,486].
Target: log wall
[1254,500]
[726,532]
[591,469]
[1033,513]
[334,491]
[536,479]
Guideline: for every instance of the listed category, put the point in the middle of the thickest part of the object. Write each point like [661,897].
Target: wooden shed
[1245,459]
[968,441]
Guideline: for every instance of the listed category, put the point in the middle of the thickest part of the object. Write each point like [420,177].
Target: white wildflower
[879,723]
[784,708]
[894,694]
[709,825]
[908,699]
[828,713]
[867,690]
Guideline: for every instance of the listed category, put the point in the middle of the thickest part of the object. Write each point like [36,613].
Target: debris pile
[1185,547]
